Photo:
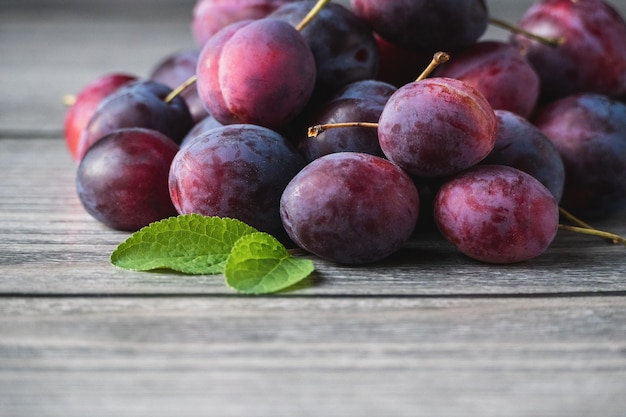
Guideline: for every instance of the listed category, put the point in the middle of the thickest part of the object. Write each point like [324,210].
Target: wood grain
[426,332]
[315,356]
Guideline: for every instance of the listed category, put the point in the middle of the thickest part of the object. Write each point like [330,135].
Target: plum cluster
[345,130]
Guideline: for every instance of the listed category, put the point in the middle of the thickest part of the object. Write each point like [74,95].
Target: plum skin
[350,208]
[500,72]
[87,101]
[592,58]
[437,127]
[589,132]
[236,171]
[497,214]
[122,180]
[256,72]
[521,145]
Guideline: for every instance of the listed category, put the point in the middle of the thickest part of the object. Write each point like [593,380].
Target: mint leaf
[260,264]
[189,243]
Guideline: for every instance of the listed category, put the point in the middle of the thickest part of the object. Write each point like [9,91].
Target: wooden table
[427,332]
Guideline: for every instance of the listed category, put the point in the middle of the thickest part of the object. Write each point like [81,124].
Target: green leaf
[260,264]
[190,243]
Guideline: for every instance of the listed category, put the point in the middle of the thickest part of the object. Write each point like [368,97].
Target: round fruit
[497,214]
[350,208]
[122,179]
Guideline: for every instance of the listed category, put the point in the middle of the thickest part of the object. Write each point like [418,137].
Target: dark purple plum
[425,24]
[500,72]
[173,71]
[497,214]
[521,145]
[138,104]
[399,65]
[256,72]
[237,171]
[343,45]
[359,101]
[437,127]
[592,57]
[350,208]
[122,181]
[589,131]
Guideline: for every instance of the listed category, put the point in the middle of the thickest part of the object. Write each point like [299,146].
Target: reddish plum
[520,144]
[437,127]
[592,57]
[589,131]
[500,72]
[236,171]
[122,181]
[86,103]
[259,72]
[138,104]
[497,214]
[350,208]
[209,16]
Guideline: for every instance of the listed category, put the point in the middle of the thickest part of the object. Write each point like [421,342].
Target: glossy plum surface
[138,104]
[259,72]
[589,131]
[85,105]
[500,72]
[592,57]
[361,101]
[437,127]
[343,45]
[209,16]
[350,208]
[521,145]
[237,171]
[425,24]
[497,214]
[122,181]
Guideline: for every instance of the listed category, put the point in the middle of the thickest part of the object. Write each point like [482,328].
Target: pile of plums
[487,147]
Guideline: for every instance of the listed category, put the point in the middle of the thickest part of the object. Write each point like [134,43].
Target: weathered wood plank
[322,356]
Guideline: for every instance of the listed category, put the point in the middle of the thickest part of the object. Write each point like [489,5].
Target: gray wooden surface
[427,332]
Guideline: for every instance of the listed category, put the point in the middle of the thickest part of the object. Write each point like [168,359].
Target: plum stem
[554,42]
[615,239]
[438,59]
[312,13]
[178,90]
[585,228]
[313,131]
[569,216]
